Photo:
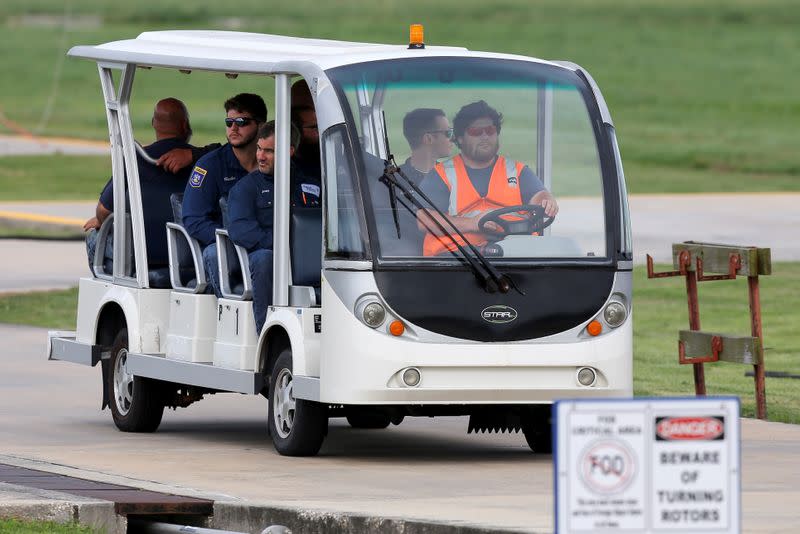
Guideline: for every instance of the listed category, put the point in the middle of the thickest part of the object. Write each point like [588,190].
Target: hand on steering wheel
[532,219]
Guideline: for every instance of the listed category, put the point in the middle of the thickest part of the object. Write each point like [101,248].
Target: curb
[27,503]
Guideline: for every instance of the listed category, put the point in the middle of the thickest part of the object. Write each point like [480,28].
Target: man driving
[477,181]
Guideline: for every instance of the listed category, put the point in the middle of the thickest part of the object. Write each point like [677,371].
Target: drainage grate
[127,500]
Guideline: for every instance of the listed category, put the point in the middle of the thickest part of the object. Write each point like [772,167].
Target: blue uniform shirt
[156,186]
[250,206]
[212,178]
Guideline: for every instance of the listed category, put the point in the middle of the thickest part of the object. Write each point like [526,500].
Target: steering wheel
[533,220]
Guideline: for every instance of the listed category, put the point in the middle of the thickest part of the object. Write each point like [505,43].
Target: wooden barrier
[694,260]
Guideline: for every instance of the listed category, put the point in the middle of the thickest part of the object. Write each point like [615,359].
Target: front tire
[297,426]
[538,430]
[137,404]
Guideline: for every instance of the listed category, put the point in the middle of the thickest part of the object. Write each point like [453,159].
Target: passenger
[307,157]
[479,180]
[217,172]
[429,136]
[178,158]
[301,94]
[172,128]
[250,211]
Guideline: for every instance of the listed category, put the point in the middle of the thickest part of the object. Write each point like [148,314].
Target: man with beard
[250,210]
[216,173]
[478,180]
[307,156]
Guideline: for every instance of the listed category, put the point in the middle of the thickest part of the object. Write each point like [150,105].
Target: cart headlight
[586,376]
[615,314]
[374,314]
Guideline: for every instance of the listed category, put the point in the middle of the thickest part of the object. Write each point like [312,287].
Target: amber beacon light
[416,36]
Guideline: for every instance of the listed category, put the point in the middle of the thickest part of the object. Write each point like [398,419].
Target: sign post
[648,465]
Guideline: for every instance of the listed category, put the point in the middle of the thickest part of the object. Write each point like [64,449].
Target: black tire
[538,430]
[297,426]
[369,420]
[137,404]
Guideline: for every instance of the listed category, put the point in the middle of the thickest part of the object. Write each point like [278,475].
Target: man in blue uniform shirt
[173,131]
[250,210]
[215,174]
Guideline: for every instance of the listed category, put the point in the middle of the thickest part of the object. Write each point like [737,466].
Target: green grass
[701,92]
[57,310]
[660,310]
[53,177]
[16,526]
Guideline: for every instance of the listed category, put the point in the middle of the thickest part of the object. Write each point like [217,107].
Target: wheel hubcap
[283,403]
[123,383]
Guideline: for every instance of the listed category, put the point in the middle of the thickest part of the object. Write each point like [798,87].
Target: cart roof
[240,52]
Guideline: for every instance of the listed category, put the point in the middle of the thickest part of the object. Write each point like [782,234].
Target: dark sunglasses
[476,131]
[448,132]
[238,121]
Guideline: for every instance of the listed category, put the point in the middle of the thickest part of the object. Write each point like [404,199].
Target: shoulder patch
[198,174]
[311,189]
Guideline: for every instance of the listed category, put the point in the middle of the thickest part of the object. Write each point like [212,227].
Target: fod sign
[648,465]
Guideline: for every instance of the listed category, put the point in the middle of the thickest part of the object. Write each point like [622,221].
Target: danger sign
[647,465]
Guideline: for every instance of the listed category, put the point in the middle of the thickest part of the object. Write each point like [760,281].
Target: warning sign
[647,465]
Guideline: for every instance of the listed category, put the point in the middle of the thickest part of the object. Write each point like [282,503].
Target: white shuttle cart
[363,325]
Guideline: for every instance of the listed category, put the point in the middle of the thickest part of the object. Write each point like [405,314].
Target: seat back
[186,271]
[232,261]
[103,265]
[305,243]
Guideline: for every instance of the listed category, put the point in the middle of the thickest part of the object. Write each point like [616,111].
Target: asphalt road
[423,469]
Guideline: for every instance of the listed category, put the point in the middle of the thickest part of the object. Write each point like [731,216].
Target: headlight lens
[374,314]
[615,314]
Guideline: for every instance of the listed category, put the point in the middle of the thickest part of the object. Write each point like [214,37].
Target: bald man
[172,129]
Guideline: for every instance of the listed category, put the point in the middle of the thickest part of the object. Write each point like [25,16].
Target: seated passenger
[477,181]
[171,125]
[217,172]
[429,136]
[250,212]
[307,156]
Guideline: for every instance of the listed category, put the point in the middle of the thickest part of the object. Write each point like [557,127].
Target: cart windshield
[470,137]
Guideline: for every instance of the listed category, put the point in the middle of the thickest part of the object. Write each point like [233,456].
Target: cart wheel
[137,404]
[538,430]
[369,420]
[297,426]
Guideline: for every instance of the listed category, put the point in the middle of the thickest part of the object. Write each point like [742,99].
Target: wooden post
[755,328]
[694,324]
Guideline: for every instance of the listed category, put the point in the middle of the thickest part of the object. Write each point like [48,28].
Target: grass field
[659,312]
[701,93]
[15,526]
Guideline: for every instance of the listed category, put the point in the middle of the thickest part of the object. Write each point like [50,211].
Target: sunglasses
[448,132]
[238,121]
[476,131]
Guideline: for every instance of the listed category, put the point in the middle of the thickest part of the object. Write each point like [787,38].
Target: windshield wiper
[483,269]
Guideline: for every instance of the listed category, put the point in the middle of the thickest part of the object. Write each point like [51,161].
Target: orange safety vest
[466,202]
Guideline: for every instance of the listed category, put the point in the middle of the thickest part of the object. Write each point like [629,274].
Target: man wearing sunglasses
[216,173]
[479,180]
[429,135]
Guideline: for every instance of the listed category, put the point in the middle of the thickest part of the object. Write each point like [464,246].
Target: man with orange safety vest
[477,181]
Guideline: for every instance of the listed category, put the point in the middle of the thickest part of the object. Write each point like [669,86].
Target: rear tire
[297,426]
[137,404]
[369,420]
[538,430]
